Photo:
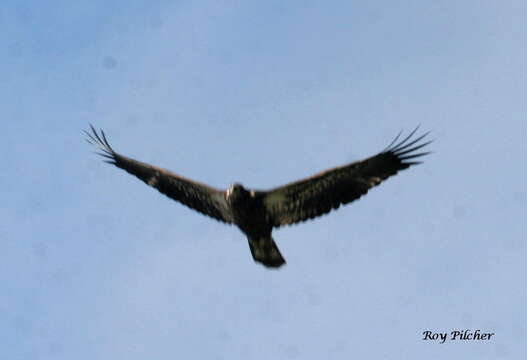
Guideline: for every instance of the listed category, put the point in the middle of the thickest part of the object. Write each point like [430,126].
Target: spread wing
[319,194]
[197,196]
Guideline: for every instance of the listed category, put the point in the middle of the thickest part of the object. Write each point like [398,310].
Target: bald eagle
[257,212]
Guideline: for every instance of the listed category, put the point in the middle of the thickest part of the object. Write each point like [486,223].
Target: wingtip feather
[101,143]
[405,148]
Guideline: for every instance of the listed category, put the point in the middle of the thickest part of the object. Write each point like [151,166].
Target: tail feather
[265,251]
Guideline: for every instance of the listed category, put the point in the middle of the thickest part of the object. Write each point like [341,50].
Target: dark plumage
[255,212]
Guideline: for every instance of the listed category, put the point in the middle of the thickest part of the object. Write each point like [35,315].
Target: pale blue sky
[96,265]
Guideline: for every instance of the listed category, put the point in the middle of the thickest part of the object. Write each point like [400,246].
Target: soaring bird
[255,212]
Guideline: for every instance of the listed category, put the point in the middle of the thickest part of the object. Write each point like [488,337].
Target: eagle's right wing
[197,196]
[323,192]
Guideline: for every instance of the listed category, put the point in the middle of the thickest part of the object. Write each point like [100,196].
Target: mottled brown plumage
[255,212]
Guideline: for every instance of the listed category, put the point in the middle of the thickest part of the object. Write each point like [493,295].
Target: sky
[96,265]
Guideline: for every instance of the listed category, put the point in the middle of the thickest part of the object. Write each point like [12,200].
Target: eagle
[257,212]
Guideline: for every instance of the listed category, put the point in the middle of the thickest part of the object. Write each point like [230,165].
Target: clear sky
[96,265]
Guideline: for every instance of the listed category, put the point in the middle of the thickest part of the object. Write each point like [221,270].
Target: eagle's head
[236,192]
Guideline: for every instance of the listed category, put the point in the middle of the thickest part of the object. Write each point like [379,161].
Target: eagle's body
[249,214]
[255,212]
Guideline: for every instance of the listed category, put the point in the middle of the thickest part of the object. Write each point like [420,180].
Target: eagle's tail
[265,251]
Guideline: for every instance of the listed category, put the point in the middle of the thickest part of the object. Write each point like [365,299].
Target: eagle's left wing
[203,198]
[319,194]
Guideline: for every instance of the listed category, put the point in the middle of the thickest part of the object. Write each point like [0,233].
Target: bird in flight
[256,212]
